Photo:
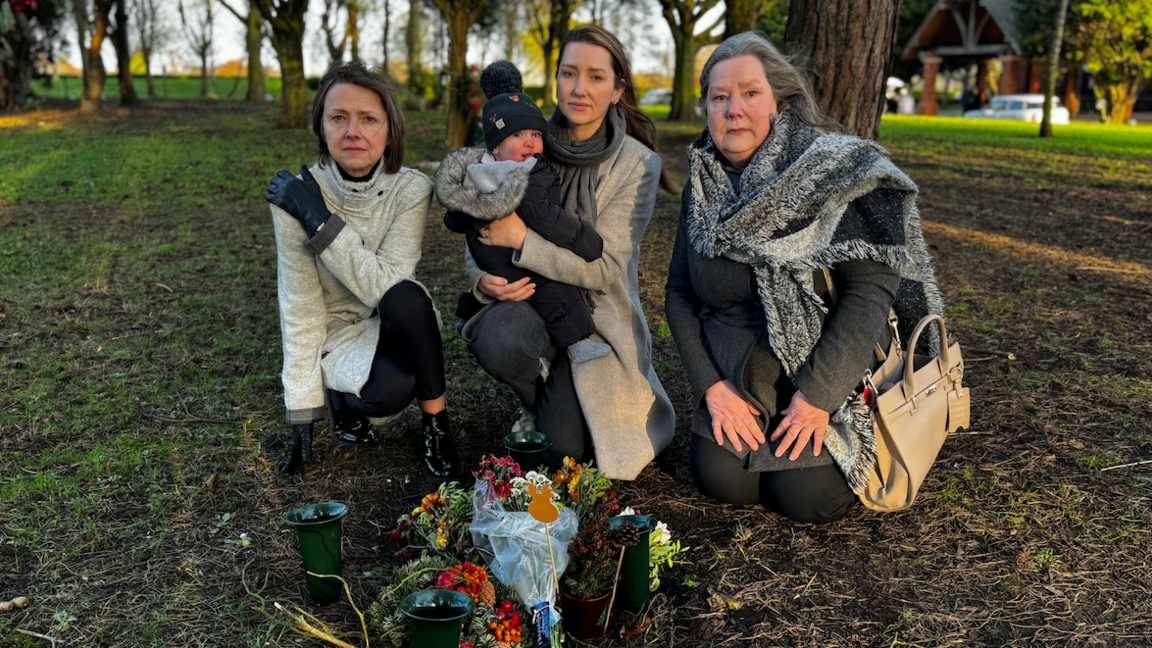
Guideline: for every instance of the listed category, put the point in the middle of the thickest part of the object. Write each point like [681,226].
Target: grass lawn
[166,88]
[141,408]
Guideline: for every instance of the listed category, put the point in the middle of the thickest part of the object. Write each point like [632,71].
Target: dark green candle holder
[632,591]
[318,528]
[527,448]
[436,616]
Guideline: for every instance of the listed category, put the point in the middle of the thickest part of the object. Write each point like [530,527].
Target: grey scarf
[790,218]
[578,163]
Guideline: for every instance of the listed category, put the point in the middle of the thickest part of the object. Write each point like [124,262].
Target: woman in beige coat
[361,337]
[601,145]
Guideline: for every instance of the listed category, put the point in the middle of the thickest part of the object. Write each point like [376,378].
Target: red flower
[475,104]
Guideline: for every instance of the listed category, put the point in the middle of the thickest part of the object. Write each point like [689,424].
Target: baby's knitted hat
[508,110]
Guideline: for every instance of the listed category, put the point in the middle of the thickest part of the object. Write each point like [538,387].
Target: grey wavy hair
[790,86]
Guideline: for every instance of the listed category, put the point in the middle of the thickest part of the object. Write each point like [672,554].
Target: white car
[657,97]
[1020,107]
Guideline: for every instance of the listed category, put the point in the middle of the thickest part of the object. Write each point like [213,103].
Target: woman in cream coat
[361,337]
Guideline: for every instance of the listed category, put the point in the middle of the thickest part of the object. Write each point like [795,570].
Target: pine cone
[487,593]
[626,535]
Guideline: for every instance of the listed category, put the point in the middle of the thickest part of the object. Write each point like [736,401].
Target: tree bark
[682,17]
[413,43]
[1053,70]
[739,16]
[91,37]
[287,21]
[387,32]
[124,55]
[254,41]
[850,47]
[458,16]
[353,29]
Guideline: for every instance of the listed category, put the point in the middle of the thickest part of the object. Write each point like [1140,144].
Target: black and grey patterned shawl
[790,218]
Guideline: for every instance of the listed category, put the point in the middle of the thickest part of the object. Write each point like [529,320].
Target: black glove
[299,448]
[300,197]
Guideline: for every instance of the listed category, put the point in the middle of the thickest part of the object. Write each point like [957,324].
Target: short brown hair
[356,73]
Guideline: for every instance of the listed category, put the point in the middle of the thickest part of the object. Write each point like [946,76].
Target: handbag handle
[910,365]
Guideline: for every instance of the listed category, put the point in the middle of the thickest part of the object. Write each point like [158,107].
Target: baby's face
[520,146]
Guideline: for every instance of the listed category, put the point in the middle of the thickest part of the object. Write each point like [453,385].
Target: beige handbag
[916,402]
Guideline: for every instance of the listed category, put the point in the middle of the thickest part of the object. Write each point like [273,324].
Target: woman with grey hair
[795,241]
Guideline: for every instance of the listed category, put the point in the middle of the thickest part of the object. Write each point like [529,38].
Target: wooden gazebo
[966,29]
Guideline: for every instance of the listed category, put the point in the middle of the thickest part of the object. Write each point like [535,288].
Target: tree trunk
[203,74]
[850,45]
[413,43]
[684,69]
[1122,101]
[124,55]
[549,74]
[739,17]
[457,100]
[254,40]
[387,32]
[293,111]
[1053,70]
[90,51]
[353,29]
[148,76]
[510,14]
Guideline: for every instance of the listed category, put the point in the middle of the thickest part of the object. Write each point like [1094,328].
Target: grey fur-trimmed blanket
[789,218]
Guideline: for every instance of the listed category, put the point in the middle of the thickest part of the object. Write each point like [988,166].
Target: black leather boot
[440,462]
[346,429]
[299,449]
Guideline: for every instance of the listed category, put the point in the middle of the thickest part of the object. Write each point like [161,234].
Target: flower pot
[527,448]
[436,616]
[632,591]
[318,528]
[583,618]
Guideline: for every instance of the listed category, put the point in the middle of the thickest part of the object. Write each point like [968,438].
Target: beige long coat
[330,284]
[628,412]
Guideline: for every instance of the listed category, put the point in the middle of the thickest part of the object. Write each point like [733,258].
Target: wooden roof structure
[966,28]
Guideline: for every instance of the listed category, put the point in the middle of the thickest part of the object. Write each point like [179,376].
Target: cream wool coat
[627,409]
[329,285]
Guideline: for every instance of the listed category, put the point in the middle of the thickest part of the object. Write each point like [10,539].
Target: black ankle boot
[299,449]
[346,429]
[440,462]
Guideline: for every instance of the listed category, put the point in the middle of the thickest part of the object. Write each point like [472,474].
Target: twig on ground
[1128,465]
[52,640]
[1119,270]
[991,352]
[347,591]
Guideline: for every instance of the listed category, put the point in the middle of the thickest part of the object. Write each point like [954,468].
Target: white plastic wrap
[516,547]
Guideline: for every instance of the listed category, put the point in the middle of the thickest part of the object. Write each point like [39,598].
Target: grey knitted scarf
[790,218]
[578,163]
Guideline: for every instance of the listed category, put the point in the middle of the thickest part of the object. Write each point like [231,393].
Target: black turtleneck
[364,178]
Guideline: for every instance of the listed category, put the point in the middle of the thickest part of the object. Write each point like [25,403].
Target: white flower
[661,536]
[627,511]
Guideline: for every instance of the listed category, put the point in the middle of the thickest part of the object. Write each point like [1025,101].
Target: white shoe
[526,422]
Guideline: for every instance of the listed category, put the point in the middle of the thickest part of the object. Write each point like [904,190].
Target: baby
[510,175]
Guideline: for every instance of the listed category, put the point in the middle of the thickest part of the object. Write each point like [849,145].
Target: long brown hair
[639,124]
[356,73]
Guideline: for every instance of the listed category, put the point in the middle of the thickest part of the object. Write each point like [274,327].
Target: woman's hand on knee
[732,416]
[802,421]
[498,288]
[508,232]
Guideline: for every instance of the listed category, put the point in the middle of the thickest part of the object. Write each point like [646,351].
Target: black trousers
[819,495]
[409,360]
[508,342]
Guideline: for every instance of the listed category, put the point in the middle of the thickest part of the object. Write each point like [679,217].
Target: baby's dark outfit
[566,315]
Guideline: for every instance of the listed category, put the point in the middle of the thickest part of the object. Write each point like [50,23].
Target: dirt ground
[1034,528]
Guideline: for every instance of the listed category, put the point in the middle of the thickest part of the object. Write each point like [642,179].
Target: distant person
[907,103]
[778,201]
[970,99]
[361,336]
[511,176]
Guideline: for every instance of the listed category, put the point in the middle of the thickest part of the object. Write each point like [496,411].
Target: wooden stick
[1128,465]
[615,584]
[555,578]
[363,625]
[53,640]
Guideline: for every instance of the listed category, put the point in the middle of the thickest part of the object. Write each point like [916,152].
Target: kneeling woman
[794,241]
[355,322]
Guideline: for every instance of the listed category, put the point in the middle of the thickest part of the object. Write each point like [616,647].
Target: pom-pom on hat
[508,110]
